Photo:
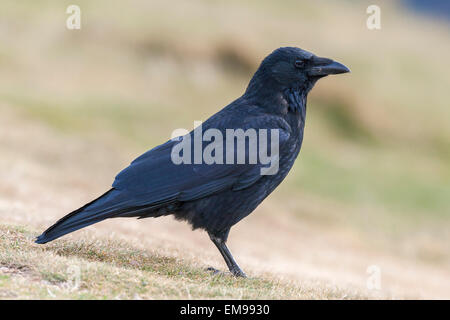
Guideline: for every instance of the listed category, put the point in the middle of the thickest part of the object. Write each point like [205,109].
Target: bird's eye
[299,63]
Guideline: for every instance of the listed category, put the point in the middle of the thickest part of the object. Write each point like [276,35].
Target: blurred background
[371,185]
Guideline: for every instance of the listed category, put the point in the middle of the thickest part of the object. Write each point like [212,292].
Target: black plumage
[216,196]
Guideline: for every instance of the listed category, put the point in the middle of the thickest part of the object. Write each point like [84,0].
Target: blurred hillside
[78,105]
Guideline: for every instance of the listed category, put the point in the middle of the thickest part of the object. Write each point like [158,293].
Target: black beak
[323,67]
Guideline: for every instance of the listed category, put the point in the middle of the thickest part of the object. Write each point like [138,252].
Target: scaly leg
[227,256]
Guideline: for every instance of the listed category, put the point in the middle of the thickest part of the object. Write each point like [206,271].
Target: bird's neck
[283,101]
[296,100]
[267,93]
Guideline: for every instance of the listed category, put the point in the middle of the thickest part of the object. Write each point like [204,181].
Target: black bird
[216,196]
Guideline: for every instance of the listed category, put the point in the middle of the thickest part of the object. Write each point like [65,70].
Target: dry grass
[113,269]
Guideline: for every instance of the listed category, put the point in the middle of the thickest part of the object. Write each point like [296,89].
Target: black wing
[154,175]
[153,180]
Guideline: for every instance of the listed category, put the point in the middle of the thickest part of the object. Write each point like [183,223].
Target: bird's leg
[226,254]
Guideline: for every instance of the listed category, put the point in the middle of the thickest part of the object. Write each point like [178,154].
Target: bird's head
[293,68]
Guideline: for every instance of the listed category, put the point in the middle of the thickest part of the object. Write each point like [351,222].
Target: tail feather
[114,203]
[95,211]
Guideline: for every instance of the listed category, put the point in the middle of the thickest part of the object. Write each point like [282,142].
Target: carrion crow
[216,192]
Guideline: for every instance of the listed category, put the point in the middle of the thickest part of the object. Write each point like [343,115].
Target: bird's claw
[238,273]
[234,272]
[215,272]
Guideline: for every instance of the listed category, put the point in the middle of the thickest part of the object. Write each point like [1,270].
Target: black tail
[112,204]
[95,211]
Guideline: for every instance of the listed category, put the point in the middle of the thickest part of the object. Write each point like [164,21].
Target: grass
[400,190]
[112,269]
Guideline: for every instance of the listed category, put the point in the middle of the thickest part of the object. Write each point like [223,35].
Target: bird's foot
[215,272]
[235,273]
[238,273]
